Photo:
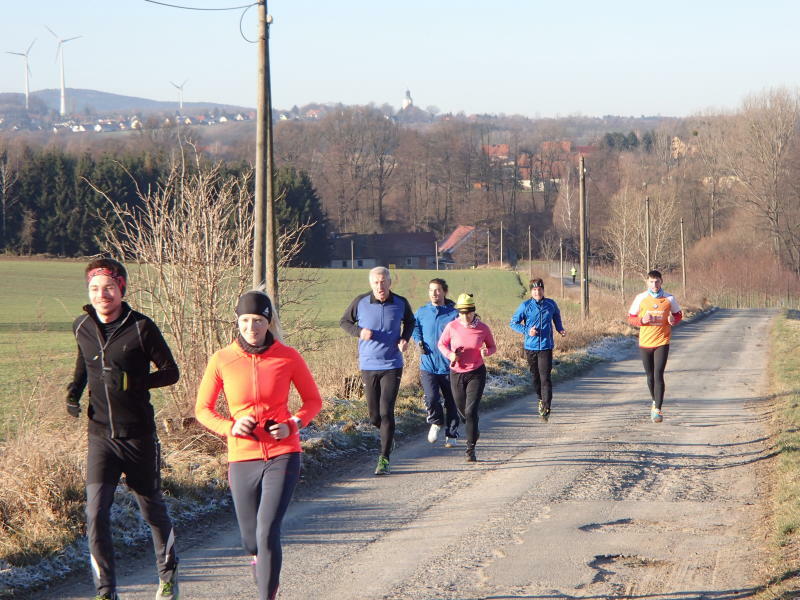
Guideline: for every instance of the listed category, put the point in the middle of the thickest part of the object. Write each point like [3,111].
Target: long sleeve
[518,322]
[491,347]
[308,390]
[408,321]
[78,384]
[444,341]
[167,372]
[557,318]
[349,320]
[417,334]
[205,406]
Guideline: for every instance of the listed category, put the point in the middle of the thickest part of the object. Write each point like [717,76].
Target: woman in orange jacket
[254,373]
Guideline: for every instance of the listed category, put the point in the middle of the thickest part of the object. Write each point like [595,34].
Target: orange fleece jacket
[258,385]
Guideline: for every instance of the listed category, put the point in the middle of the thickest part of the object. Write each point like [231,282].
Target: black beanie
[254,303]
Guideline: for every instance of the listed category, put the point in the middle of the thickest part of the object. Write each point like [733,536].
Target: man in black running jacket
[115,348]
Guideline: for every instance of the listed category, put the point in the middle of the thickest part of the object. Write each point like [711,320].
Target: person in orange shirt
[254,374]
[654,312]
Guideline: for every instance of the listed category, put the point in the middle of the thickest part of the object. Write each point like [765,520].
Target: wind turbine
[180,91]
[27,70]
[60,51]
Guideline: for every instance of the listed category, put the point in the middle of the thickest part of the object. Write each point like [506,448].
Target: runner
[254,373]
[534,319]
[383,323]
[465,342]
[654,312]
[434,369]
[573,271]
[115,348]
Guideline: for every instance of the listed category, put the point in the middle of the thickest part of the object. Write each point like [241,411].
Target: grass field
[40,299]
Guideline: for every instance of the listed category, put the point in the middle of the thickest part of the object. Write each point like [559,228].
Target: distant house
[459,248]
[393,250]
[496,151]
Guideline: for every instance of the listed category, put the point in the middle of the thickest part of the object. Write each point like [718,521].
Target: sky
[535,58]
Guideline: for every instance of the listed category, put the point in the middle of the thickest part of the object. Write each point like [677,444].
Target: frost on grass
[129,530]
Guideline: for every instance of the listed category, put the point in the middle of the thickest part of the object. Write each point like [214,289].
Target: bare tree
[8,178]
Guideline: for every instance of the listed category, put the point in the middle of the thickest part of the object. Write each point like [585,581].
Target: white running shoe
[433,433]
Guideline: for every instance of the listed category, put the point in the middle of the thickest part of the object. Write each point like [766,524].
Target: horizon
[516,58]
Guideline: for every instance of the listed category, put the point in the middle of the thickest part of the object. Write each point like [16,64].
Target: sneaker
[168,590]
[111,596]
[433,433]
[544,411]
[656,416]
[449,442]
[471,455]
[383,466]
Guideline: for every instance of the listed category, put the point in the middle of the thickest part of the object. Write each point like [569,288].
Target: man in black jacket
[115,348]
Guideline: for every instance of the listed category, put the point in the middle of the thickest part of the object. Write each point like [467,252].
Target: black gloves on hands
[73,408]
[423,349]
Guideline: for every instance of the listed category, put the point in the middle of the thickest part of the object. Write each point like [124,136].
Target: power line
[198,8]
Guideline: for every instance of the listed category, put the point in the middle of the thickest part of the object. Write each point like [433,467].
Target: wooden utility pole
[530,256]
[647,231]
[265,261]
[561,265]
[487,248]
[501,244]
[683,262]
[584,243]
[436,250]
[352,253]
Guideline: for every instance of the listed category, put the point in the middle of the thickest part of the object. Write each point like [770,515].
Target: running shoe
[433,433]
[383,466]
[544,411]
[168,590]
[656,416]
[111,596]
[449,442]
[471,455]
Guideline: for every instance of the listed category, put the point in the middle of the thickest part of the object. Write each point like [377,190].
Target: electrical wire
[245,6]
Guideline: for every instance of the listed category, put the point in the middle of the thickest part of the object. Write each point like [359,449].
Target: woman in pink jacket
[465,342]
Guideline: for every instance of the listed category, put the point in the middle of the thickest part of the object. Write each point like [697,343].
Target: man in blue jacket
[535,319]
[383,323]
[434,369]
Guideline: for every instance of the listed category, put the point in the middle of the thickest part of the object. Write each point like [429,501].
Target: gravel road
[599,502]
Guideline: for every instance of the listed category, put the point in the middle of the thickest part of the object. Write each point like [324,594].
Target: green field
[40,299]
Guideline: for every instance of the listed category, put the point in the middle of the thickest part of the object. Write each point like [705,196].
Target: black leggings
[261,491]
[139,459]
[655,361]
[467,391]
[381,389]
[540,363]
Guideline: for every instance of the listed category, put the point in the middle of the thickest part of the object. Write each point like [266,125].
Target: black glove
[116,379]
[423,349]
[73,407]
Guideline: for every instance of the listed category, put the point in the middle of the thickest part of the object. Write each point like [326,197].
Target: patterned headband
[108,273]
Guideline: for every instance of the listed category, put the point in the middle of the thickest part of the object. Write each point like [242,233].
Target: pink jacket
[471,339]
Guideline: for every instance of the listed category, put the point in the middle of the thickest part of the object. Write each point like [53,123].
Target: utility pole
[584,243]
[647,231]
[352,254]
[265,261]
[487,248]
[530,258]
[436,251]
[501,244]
[561,264]
[683,261]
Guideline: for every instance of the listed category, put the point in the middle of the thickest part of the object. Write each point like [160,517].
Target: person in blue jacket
[383,322]
[434,368]
[534,319]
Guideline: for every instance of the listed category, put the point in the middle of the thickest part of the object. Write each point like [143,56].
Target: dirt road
[598,502]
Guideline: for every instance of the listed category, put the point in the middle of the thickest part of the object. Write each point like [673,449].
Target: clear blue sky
[535,57]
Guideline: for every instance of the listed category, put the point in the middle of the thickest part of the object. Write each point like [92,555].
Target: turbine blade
[17,53]
[55,35]
[31,46]
[70,39]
